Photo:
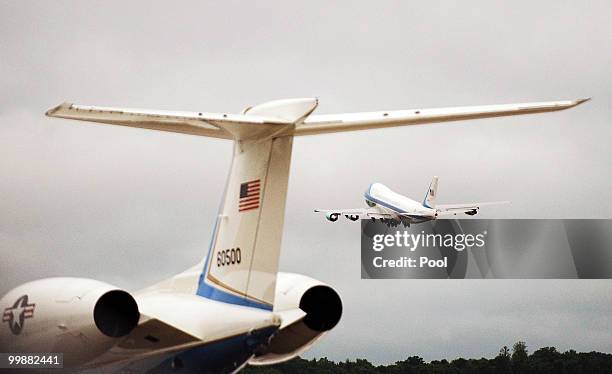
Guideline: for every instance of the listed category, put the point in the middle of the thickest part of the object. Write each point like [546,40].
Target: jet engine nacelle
[318,304]
[81,318]
[332,216]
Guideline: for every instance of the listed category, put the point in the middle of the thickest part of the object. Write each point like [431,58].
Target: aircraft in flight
[393,208]
[234,307]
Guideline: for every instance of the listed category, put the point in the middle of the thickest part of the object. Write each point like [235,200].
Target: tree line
[509,361]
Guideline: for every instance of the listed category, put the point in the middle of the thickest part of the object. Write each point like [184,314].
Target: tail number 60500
[228,257]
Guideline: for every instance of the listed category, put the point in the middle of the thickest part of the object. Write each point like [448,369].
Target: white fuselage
[383,197]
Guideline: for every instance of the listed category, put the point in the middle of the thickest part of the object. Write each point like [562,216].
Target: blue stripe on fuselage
[214,293]
[379,202]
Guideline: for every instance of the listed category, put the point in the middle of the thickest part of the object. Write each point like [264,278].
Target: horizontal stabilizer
[216,125]
[289,117]
[329,123]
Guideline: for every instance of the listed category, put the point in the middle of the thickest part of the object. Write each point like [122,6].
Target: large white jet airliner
[233,308]
[393,208]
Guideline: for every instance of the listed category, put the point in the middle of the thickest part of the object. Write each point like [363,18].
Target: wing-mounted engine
[333,217]
[309,309]
[81,318]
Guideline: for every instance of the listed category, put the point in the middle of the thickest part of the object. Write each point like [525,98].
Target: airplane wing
[328,123]
[408,215]
[216,125]
[354,214]
[469,208]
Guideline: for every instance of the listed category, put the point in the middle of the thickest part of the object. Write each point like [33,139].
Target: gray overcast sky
[131,207]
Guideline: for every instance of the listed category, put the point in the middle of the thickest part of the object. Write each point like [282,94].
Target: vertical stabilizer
[242,263]
[432,192]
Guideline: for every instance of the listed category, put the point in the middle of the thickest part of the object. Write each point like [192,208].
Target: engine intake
[332,217]
[116,313]
[322,306]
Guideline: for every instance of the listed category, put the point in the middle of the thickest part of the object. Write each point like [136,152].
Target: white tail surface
[432,193]
[242,264]
[246,245]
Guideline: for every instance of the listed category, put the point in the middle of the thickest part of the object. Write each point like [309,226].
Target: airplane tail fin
[432,192]
[242,262]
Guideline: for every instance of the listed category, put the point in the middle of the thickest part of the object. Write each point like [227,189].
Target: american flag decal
[249,195]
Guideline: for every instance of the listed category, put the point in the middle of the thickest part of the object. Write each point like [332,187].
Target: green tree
[504,352]
[519,357]
[502,361]
[545,360]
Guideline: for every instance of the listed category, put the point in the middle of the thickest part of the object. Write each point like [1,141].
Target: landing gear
[471,212]
[390,222]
